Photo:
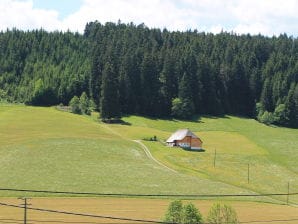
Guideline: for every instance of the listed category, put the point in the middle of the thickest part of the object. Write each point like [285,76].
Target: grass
[43,148]
[271,152]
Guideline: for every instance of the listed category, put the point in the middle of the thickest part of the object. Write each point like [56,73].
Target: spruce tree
[185,96]
[266,96]
[85,104]
[292,106]
[109,100]
[168,80]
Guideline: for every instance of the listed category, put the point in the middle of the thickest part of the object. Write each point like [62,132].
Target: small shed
[184,138]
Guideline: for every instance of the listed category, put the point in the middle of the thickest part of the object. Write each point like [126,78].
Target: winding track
[149,155]
[144,147]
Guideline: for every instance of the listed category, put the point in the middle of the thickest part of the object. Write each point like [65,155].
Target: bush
[85,104]
[222,214]
[267,118]
[182,108]
[42,95]
[191,214]
[280,114]
[3,96]
[259,110]
[75,105]
[188,214]
[175,212]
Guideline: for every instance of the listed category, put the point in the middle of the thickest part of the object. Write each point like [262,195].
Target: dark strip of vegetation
[129,69]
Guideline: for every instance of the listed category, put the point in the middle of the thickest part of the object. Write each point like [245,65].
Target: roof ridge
[180,134]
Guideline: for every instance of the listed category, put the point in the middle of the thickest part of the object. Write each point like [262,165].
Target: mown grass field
[43,148]
[271,152]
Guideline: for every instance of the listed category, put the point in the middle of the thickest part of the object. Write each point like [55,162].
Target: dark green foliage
[191,214]
[266,97]
[187,214]
[210,74]
[266,117]
[42,95]
[75,105]
[175,212]
[109,101]
[81,105]
[85,104]
[3,96]
[280,114]
[182,108]
[292,106]
[176,107]
[222,214]
[57,62]
[150,86]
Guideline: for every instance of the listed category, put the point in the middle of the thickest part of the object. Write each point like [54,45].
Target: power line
[32,221]
[62,221]
[147,195]
[83,214]
[271,221]
[124,219]
[11,221]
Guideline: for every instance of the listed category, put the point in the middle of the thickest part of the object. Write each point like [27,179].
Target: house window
[184,145]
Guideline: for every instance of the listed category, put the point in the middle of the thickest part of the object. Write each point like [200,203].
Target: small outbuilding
[184,138]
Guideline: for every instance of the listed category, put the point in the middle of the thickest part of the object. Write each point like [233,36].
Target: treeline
[130,69]
[42,68]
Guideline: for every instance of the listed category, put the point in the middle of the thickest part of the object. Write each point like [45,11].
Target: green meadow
[46,149]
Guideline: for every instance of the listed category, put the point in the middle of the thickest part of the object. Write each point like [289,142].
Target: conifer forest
[131,69]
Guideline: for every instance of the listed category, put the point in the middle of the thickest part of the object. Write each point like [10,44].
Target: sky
[267,17]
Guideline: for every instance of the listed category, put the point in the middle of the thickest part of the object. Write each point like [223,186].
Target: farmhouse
[184,138]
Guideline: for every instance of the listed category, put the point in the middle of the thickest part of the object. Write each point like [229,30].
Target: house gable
[186,139]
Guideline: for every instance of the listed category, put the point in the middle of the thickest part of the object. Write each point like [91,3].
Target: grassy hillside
[270,152]
[42,148]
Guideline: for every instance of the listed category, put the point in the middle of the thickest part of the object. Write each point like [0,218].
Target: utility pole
[25,208]
[214,162]
[248,173]
[288,193]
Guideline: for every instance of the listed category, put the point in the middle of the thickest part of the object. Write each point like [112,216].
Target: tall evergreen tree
[292,106]
[168,78]
[185,95]
[150,86]
[109,99]
[229,73]
[266,96]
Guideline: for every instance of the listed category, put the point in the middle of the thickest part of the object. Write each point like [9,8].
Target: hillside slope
[42,148]
[270,153]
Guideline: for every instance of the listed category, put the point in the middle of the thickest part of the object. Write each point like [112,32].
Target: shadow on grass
[193,150]
[116,121]
[195,118]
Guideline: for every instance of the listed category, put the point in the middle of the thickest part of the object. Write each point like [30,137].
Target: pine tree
[150,86]
[109,101]
[85,104]
[75,105]
[185,95]
[292,106]
[168,78]
[266,96]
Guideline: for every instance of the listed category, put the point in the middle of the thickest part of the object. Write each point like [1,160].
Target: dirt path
[149,155]
[144,147]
